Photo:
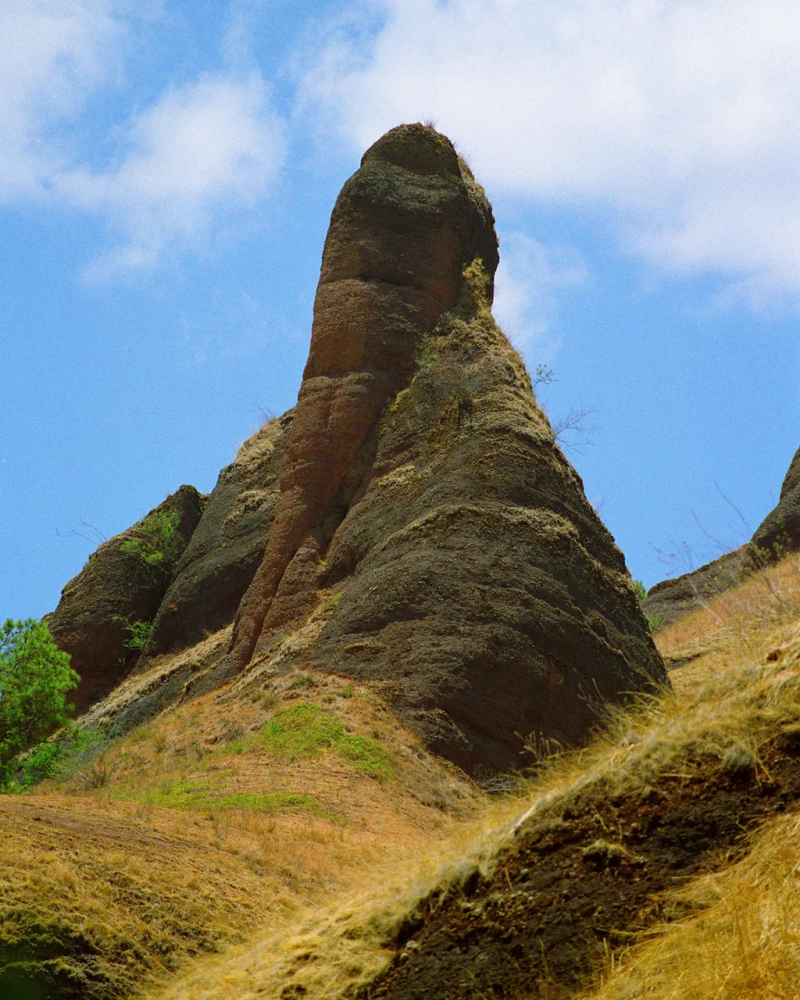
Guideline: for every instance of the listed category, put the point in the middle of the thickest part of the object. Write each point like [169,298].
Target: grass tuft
[305,730]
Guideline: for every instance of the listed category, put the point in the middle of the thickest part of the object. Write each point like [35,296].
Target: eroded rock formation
[227,546]
[414,504]
[114,587]
[478,588]
[779,532]
[402,230]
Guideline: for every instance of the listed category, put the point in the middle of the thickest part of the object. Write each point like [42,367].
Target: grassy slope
[719,923]
[291,836]
[225,815]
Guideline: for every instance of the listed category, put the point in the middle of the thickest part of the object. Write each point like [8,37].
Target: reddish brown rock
[116,585]
[401,232]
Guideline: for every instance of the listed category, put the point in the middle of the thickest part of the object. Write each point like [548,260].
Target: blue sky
[167,171]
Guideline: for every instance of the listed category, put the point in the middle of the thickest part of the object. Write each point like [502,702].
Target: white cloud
[202,150]
[529,279]
[212,145]
[53,54]
[680,118]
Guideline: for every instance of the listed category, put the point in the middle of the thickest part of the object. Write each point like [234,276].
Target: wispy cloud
[53,55]
[211,145]
[180,166]
[680,119]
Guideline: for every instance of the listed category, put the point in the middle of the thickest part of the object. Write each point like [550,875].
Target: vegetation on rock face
[156,538]
[35,677]
[653,621]
[138,632]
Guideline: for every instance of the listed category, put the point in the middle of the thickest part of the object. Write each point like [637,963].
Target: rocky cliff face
[116,586]
[401,232]
[779,532]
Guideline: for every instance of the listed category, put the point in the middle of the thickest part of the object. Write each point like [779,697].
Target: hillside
[382,716]
[241,860]
[670,837]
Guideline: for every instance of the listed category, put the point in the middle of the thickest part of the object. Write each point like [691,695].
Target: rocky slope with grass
[122,584]
[395,599]
[616,871]
[417,494]
[776,537]
[476,587]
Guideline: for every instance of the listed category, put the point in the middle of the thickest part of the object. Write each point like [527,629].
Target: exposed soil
[589,875]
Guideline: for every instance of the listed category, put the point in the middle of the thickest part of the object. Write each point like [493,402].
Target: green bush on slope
[35,677]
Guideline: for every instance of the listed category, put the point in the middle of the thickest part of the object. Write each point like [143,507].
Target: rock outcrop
[478,588]
[403,228]
[227,546]
[411,523]
[777,536]
[123,582]
[670,600]
[779,532]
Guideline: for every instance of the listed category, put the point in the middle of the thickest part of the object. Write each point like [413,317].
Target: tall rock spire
[476,588]
[402,230]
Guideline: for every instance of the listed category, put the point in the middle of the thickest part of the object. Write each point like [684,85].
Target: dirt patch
[591,874]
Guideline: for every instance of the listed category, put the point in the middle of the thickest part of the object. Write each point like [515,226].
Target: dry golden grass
[741,691]
[315,899]
[743,940]
[96,869]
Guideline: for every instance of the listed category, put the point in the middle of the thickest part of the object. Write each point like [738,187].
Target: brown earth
[590,873]
[116,585]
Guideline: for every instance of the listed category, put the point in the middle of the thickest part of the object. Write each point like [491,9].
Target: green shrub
[640,590]
[59,757]
[156,538]
[35,677]
[138,632]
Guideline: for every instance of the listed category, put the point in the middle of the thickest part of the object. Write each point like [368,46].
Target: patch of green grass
[62,757]
[198,795]
[305,730]
[302,681]
[330,604]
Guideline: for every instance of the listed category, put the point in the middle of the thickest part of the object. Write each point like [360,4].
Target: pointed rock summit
[403,229]
[412,523]
[477,588]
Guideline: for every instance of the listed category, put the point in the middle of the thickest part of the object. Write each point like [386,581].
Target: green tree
[35,677]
